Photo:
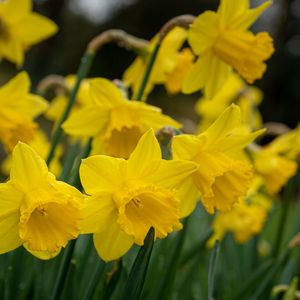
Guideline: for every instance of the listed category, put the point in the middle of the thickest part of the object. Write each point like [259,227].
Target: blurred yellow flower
[222,41]
[31,206]
[221,179]
[115,122]
[287,145]
[235,90]
[175,78]
[274,169]
[59,103]
[18,109]
[128,197]
[21,28]
[244,221]
[167,60]
[41,145]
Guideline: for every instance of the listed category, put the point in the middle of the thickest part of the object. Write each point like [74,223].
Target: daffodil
[175,78]
[115,122]
[244,221]
[128,197]
[274,169]
[235,90]
[223,42]
[21,28]
[37,211]
[167,60]
[59,103]
[18,109]
[221,179]
[41,145]
[287,145]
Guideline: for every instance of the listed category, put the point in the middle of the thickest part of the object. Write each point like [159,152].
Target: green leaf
[136,278]
[172,265]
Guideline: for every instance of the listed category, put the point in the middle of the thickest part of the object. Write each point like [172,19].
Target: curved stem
[183,21]
[83,70]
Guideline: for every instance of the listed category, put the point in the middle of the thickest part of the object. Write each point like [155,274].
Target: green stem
[64,267]
[286,199]
[94,282]
[68,164]
[63,271]
[74,179]
[83,70]
[147,73]
[212,270]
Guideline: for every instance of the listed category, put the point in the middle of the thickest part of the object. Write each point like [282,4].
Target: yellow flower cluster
[128,186]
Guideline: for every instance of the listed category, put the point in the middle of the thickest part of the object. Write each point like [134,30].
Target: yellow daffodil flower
[41,145]
[21,28]
[36,211]
[167,59]
[287,145]
[244,221]
[235,90]
[18,109]
[274,169]
[59,103]
[221,179]
[115,122]
[128,197]
[175,78]
[223,42]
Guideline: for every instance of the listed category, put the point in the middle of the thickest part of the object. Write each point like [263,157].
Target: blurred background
[80,20]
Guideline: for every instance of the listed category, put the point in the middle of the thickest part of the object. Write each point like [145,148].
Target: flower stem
[69,161]
[148,70]
[285,203]
[183,21]
[212,270]
[94,282]
[83,70]
[63,271]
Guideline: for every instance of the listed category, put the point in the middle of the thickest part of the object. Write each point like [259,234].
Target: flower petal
[88,121]
[14,10]
[10,199]
[230,119]
[96,212]
[186,146]
[9,232]
[105,93]
[34,28]
[203,32]
[230,10]
[209,72]
[145,158]
[12,50]
[101,173]
[112,243]
[172,172]
[44,255]
[188,195]
[249,17]
[28,168]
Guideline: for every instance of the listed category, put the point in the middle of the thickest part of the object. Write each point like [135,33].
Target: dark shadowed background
[80,20]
